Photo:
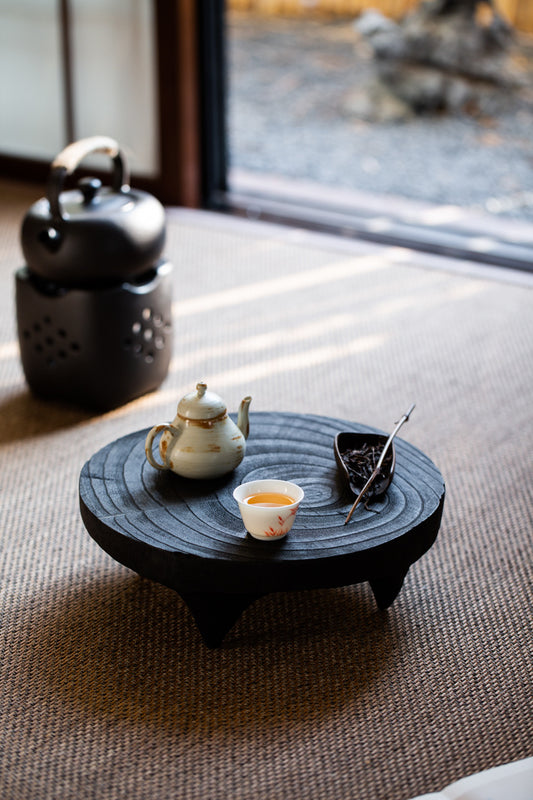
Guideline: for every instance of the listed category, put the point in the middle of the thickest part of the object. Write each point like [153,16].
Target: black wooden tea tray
[188,535]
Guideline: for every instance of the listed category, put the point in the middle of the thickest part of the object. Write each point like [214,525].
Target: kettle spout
[242,418]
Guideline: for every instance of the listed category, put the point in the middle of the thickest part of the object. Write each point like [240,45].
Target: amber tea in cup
[268,507]
[269,499]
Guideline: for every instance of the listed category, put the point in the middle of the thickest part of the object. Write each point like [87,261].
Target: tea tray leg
[215,613]
[386,588]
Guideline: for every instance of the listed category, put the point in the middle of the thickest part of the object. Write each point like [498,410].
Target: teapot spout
[242,418]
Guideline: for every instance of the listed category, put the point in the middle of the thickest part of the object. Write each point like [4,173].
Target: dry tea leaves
[362,462]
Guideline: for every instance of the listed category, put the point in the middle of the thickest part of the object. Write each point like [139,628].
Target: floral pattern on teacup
[281,531]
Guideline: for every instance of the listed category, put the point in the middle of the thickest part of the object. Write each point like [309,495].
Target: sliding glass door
[322,133]
[267,116]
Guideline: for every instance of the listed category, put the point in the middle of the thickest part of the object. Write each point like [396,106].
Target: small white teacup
[268,507]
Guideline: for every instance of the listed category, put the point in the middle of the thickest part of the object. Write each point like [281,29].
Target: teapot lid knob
[201,389]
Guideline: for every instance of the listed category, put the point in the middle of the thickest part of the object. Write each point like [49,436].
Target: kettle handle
[69,158]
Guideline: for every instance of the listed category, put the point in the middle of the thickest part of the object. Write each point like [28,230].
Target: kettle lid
[201,404]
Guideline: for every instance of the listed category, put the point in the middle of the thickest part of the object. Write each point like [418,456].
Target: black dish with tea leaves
[357,455]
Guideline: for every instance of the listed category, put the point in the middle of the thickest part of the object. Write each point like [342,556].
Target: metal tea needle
[374,475]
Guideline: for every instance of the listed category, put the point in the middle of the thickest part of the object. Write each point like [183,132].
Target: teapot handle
[69,158]
[150,441]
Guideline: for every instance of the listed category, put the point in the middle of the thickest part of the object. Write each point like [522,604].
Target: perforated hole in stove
[147,335]
[51,343]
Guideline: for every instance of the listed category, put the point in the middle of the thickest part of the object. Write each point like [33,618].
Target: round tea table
[188,535]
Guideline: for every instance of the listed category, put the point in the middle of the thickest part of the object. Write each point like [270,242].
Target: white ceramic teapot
[201,441]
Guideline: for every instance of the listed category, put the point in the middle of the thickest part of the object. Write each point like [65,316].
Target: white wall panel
[114,76]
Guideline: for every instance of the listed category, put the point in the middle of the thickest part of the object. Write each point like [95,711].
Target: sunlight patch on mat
[265,341]
[295,361]
[292,282]
[9,350]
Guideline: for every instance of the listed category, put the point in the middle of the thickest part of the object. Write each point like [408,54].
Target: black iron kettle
[92,234]
[93,301]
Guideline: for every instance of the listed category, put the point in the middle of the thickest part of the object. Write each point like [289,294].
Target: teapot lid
[201,404]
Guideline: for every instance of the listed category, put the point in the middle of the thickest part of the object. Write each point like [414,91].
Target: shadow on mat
[25,416]
[124,647]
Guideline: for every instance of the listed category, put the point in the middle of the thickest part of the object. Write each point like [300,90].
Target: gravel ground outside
[290,81]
